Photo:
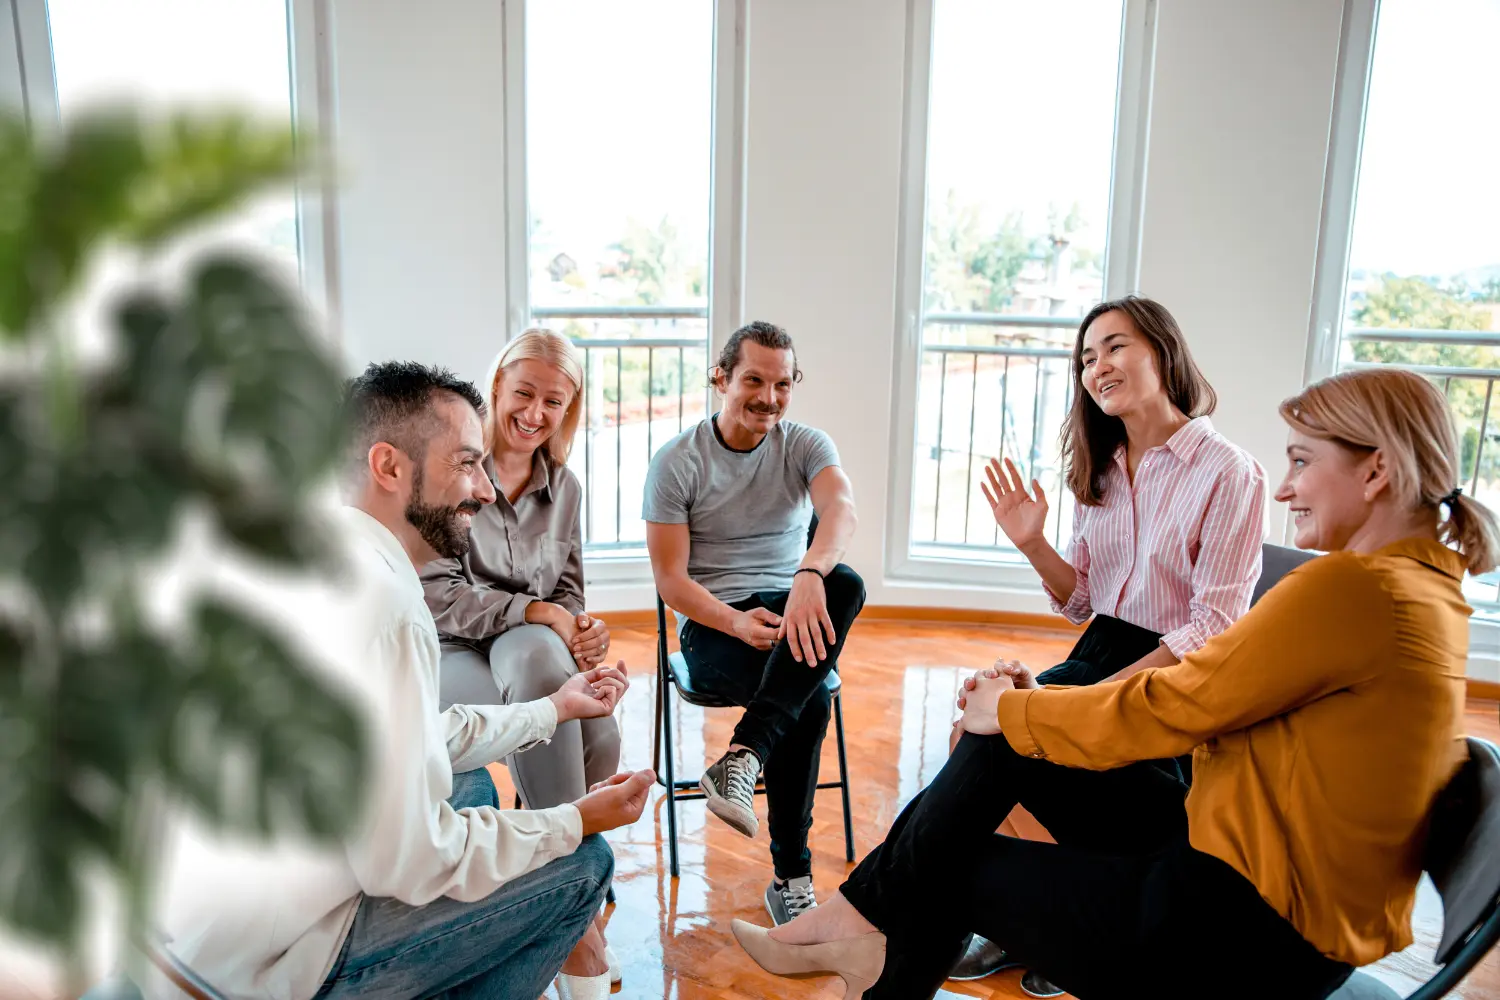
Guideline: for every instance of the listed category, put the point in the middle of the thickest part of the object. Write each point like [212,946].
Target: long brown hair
[1407,418]
[1090,436]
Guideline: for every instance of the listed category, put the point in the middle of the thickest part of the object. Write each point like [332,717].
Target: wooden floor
[900,680]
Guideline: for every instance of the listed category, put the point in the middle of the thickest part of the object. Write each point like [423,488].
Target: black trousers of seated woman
[1121,906]
[1106,647]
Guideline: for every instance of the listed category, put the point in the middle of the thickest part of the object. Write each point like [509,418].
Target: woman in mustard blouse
[1323,724]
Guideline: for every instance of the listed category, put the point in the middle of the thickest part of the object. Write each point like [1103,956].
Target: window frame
[630,564]
[309,63]
[1121,274]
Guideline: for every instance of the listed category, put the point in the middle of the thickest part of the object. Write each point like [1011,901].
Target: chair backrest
[1276,561]
[1463,860]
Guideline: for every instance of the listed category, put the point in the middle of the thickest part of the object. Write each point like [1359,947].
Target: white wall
[420,131]
[1240,113]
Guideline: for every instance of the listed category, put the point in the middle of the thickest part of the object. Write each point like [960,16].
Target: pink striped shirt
[1180,552]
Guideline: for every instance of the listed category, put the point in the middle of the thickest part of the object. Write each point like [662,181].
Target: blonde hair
[556,350]
[1403,415]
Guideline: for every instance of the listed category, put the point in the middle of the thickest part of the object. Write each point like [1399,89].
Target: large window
[167,55]
[1020,150]
[619,137]
[1423,285]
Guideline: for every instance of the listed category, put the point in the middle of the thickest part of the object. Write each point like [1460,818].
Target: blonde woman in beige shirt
[511,612]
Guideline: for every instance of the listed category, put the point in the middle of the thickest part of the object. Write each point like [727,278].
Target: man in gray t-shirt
[763,608]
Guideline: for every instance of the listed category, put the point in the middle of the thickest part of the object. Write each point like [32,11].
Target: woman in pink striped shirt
[1166,543]
[1171,515]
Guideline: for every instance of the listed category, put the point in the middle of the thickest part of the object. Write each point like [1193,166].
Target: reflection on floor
[899,683]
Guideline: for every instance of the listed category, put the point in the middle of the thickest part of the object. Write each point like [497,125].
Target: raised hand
[1021,516]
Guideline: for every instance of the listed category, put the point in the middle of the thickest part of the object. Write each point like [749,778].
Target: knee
[845,588]
[531,662]
[818,708]
[597,862]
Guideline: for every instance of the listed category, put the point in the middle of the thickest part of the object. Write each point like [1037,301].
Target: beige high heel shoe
[857,960]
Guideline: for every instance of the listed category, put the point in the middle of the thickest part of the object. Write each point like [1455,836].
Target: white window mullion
[1340,181]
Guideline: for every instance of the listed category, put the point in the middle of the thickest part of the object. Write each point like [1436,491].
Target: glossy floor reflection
[899,683]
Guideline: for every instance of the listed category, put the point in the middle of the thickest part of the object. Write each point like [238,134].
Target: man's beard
[440,527]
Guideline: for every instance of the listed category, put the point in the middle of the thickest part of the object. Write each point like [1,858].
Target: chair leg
[838,722]
[666,734]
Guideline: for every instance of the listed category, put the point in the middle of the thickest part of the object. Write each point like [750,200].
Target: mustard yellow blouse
[1323,724]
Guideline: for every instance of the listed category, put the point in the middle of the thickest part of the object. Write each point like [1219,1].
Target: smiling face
[758,390]
[1329,490]
[1119,365]
[531,399]
[449,484]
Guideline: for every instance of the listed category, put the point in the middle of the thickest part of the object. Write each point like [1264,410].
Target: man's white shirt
[255,920]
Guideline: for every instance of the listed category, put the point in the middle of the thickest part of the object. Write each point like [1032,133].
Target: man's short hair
[393,402]
[759,332]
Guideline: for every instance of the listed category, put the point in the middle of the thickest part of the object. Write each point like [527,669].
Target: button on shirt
[530,550]
[1178,552]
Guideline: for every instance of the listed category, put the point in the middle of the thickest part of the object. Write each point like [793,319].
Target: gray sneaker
[786,901]
[1034,985]
[729,787]
[982,957]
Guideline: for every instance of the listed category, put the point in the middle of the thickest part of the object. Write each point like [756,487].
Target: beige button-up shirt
[530,550]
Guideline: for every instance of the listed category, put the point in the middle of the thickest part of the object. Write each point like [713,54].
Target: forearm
[1056,572]
[1161,656]
[836,526]
[692,599]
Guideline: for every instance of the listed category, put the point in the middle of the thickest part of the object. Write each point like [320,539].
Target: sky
[1022,110]
[1429,189]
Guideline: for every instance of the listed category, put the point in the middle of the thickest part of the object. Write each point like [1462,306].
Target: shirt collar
[1184,442]
[1428,553]
[540,481]
[378,537]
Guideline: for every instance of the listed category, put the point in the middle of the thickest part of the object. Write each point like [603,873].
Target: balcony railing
[644,378]
[1471,395]
[979,400]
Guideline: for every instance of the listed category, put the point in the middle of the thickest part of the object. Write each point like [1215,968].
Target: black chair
[672,672]
[1276,561]
[1463,861]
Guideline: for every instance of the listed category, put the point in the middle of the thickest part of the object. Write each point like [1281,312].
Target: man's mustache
[470,507]
[768,410]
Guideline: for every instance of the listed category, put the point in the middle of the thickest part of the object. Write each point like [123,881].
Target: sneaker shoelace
[798,900]
[739,778]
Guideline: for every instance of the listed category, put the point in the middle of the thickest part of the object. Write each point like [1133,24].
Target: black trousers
[787,708]
[1106,647]
[1120,906]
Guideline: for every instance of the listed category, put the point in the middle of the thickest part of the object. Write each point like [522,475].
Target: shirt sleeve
[814,452]
[667,498]
[569,590]
[1228,562]
[1321,630]
[1079,606]
[413,845]
[469,610]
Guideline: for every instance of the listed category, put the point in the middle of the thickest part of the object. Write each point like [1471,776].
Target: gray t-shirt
[747,512]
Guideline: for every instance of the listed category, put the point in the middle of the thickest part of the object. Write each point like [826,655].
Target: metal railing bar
[1000,319]
[999,349]
[620,312]
[587,342]
[1471,338]
[937,496]
[969,475]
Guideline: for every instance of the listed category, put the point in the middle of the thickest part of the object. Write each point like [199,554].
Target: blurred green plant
[217,400]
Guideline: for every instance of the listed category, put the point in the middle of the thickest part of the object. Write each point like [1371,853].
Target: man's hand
[806,621]
[980,701]
[759,627]
[615,802]
[591,695]
[590,640]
